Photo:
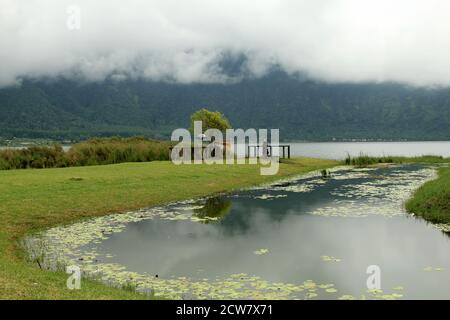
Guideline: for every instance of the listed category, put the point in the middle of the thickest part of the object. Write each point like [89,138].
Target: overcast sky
[185,40]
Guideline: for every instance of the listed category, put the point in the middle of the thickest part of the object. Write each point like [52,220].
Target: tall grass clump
[96,151]
[33,157]
[100,151]
[364,160]
[422,159]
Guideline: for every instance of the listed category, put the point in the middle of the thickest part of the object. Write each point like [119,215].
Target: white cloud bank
[185,40]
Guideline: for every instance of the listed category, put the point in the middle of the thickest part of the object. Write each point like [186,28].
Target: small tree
[210,120]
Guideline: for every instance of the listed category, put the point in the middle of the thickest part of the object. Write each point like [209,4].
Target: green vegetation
[215,207]
[421,159]
[301,109]
[92,152]
[33,200]
[364,160]
[117,150]
[210,120]
[33,157]
[325,173]
[432,200]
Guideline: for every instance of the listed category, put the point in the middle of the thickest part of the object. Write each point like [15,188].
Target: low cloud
[188,41]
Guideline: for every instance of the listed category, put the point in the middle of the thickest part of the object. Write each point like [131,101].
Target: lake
[305,238]
[339,150]
[65,147]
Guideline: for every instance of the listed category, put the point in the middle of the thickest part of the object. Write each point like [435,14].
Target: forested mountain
[302,109]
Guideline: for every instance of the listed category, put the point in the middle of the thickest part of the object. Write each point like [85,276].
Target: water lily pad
[270,196]
[330,259]
[260,252]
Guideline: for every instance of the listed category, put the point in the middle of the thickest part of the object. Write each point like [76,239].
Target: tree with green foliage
[210,120]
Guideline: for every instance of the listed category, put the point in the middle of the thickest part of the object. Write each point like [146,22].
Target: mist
[406,41]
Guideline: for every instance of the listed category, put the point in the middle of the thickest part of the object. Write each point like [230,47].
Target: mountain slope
[302,109]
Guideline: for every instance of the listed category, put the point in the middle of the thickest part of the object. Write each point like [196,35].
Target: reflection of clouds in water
[169,242]
[182,240]
[236,254]
[400,246]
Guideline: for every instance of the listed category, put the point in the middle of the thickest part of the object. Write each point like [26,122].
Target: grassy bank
[364,160]
[432,200]
[33,200]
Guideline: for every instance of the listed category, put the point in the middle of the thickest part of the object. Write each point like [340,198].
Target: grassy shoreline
[432,200]
[364,160]
[33,200]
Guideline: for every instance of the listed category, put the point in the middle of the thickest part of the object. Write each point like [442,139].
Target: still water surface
[311,237]
[339,150]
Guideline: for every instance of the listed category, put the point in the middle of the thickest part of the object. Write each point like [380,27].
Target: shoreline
[110,189]
[60,252]
[99,191]
[432,200]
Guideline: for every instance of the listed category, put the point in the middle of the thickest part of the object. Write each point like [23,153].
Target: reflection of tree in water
[216,207]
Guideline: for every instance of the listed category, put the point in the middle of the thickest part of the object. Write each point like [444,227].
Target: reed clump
[96,151]
[364,160]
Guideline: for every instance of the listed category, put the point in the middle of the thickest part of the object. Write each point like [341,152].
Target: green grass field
[432,200]
[36,199]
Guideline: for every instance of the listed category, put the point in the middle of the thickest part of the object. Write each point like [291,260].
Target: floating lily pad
[330,259]
[260,252]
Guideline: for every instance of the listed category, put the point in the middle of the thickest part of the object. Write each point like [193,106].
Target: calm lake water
[311,237]
[65,148]
[339,150]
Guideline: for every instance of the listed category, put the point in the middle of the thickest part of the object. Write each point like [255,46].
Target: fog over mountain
[403,41]
[317,69]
